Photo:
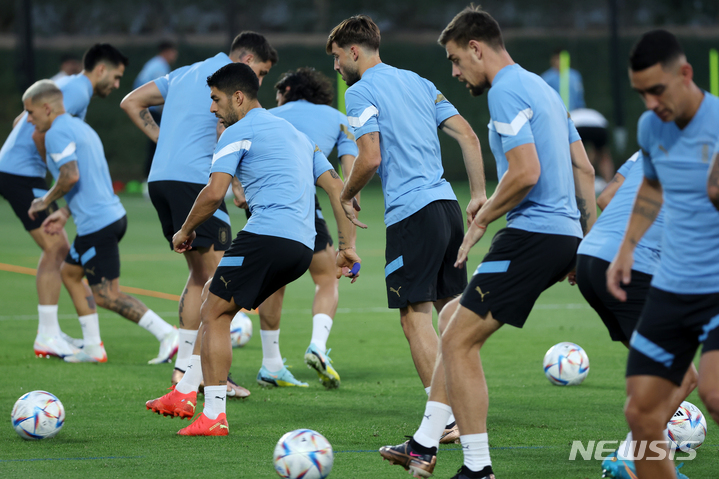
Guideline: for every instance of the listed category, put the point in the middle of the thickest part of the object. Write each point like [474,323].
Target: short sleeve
[320,163]
[345,140]
[629,164]
[510,118]
[60,145]
[163,84]
[644,138]
[362,114]
[443,109]
[573,133]
[229,152]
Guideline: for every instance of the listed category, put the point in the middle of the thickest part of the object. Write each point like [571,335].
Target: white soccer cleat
[91,353]
[77,343]
[168,347]
[52,346]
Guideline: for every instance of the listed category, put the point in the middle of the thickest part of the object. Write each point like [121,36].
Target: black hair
[166,45]
[472,23]
[656,46]
[103,52]
[235,77]
[256,44]
[66,57]
[306,84]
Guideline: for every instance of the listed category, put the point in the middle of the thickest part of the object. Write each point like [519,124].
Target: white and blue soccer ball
[687,429]
[303,454]
[240,329]
[38,415]
[566,364]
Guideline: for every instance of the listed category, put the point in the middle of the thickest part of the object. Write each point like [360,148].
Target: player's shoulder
[647,124]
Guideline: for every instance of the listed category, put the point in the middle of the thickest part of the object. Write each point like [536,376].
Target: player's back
[406,109]
[680,160]
[524,109]
[323,124]
[92,200]
[189,131]
[607,233]
[19,155]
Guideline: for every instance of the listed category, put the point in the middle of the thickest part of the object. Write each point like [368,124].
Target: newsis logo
[656,450]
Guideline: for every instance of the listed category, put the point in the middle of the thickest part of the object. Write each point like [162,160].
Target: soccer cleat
[78,343]
[174,404]
[281,378]
[321,362]
[466,473]
[615,468]
[91,353]
[418,464]
[168,347]
[202,426]
[234,390]
[52,346]
[450,434]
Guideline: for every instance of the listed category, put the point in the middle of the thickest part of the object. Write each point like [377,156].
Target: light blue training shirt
[155,67]
[524,109]
[19,155]
[607,233]
[189,131]
[679,159]
[278,167]
[92,202]
[406,110]
[324,125]
[576,86]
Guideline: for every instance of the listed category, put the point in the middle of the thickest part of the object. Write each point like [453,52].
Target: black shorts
[619,317]
[98,253]
[420,254]
[173,201]
[256,266]
[593,135]
[670,330]
[323,238]
[20,191]
[517,268]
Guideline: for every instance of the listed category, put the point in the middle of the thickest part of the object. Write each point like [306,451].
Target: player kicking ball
[278,167]
[76,159]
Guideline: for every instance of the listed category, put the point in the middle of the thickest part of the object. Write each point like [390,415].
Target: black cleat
[466,473]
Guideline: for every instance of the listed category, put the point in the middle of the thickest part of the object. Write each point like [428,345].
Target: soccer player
[677,138]
[278,167]
[546,189]
[595,252]
[76,159]
[395,115]
[22,179]
[181,167]
[302,94]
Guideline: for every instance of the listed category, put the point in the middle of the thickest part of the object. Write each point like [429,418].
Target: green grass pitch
[108,432]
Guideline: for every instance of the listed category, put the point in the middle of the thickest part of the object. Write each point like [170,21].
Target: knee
[206,290]
[710,398]
[642,418]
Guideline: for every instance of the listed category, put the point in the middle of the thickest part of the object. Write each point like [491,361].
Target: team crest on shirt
[223,235]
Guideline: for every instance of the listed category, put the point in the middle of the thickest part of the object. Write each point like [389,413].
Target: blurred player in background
[22,179]
[69,65]
[677,138]
[395,115]
[279,167]
[304,97]
[181,167]
[592,128]
[77,161]
[576,85]
[546,189]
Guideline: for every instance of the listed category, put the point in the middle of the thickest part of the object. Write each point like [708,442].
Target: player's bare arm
[521,176]
[459,129]
[239,192]
[609,191]
[137,103]
[583,186]
[713,181]
[69,175]
[347,162]
[39,140]
[17,119]
[363,169]
[647,205]
[207,202]
[346,230]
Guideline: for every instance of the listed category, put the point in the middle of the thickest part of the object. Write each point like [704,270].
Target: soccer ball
[240,330]
[687,429]
[38,415]
[304,454]
[566,364]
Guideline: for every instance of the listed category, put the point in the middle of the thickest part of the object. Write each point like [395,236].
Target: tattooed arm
[136,104]
[646,208]
[713,181]
[583,186]
[69,175]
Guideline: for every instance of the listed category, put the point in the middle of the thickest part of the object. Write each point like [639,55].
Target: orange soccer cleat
[202,426]
[174,404]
